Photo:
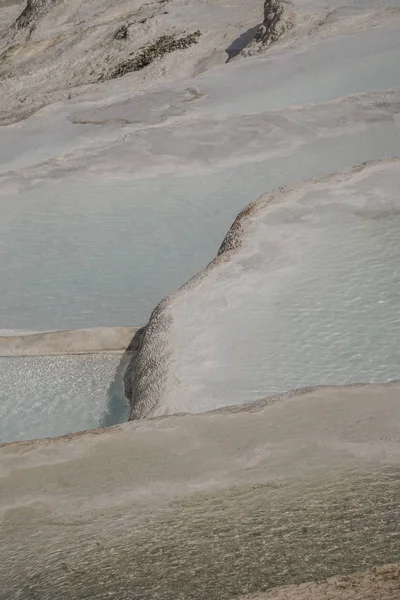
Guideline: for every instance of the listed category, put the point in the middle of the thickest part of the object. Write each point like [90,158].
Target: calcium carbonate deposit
[305,292]
[199,214]
[132,135]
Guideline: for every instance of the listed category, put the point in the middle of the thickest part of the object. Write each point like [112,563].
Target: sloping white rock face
[52,50]
[304,291]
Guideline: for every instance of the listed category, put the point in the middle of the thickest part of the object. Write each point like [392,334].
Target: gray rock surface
[52,51]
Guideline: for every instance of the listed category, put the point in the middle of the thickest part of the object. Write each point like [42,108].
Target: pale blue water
[46,396]
[89,249]
[81,253]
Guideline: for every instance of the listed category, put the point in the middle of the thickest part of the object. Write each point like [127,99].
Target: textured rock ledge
[73,341]
[216,506]
[170,373]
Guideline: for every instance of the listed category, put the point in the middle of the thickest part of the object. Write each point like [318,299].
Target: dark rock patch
[164,45]
[33,10]
[121,33]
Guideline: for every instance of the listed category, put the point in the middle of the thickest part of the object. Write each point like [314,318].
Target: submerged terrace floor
[60,382]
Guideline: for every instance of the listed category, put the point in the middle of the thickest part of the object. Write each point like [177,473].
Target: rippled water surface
[99,223]
[46,396]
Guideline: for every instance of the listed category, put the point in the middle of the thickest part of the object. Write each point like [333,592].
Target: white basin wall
[308,295]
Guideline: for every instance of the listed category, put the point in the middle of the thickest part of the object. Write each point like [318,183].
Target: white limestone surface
[305,291]
[74,341]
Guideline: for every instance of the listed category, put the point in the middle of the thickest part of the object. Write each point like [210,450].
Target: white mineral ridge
[304,291]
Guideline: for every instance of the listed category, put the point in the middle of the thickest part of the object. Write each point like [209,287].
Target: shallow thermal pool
[332,319]
[46,396]
[86,253]
[97,235]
